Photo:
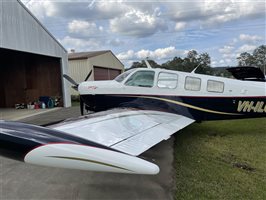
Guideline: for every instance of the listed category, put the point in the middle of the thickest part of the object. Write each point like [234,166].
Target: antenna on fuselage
[147,63]
[193,71]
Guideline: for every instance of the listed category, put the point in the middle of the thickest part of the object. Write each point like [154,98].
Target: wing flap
[129,131]
[142,142]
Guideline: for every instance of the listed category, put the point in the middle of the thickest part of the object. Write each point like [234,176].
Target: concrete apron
[18,114]
[23,181]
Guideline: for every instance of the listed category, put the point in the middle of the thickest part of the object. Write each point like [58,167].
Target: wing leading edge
[129,131]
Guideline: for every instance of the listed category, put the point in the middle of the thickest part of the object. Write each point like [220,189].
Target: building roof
[86,55]
[90,54]
[43,27]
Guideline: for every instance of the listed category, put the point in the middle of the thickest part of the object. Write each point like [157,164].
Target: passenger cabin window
[167,80]
[141,79]
[215,86]
[192,83]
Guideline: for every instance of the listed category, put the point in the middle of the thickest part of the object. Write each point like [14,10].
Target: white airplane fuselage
[200,97]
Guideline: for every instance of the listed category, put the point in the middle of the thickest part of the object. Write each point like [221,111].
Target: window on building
[192,83]
[167,80]
[215,86]
[141,79]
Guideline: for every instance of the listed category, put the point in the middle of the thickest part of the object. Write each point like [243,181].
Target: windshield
[122,76]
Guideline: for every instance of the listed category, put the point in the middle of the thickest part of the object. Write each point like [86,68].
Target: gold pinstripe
[91,161]
[187,105]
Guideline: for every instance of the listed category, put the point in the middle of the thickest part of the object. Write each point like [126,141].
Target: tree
[152,63]
[259,55]
[205,59]
[257,59]
[143,65]
[204,63]
[245,59]
[175,64]
[192,55]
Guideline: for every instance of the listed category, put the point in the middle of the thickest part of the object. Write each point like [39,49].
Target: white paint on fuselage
[232,87]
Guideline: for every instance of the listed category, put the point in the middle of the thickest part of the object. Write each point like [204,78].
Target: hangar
[32,60]
[104,65]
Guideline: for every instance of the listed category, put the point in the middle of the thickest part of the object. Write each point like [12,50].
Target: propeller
[75,87]
[88,76]
[75,84]
[81,106]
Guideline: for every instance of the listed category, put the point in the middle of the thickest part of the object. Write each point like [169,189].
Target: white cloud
[213,13]
[83,28]
[137,23]
[42,8]
[225,62]
[214,63]
[116,42]
[180,26]
[250,38]
[80,44]
[246,48]
[129,55]
[146,18]
[157,54]
[226,49]
[228,52]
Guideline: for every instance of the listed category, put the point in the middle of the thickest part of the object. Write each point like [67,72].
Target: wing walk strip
[186,105]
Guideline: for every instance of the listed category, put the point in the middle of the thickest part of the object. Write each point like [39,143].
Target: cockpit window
[141,79]
[122,76]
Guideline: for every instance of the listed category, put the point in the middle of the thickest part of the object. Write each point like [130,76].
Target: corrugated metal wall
[79,69]
[20,30]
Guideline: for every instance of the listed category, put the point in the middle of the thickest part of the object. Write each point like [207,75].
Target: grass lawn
[75,103]
[221,160]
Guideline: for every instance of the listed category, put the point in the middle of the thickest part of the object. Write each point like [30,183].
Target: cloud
[228,52]
[83,28]
[213,13]
[250,38]
[42,9]
[137,23]
[80,44]
[246,48]
[116,42]
[144,19]
[226,49]
[157,54]
[180,26]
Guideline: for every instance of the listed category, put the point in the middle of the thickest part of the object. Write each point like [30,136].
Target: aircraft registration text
[251,106]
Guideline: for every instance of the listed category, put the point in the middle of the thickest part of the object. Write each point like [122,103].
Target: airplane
[132,113]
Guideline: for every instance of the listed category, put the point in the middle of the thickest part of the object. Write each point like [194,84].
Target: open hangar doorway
[25,77]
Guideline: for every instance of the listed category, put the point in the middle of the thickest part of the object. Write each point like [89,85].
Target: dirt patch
[232,160]
[244,166]
[215,134]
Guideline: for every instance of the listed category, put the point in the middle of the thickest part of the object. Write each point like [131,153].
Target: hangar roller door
[103,73]
[25,77]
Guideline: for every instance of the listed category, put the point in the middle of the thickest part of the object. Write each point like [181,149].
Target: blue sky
[160,30]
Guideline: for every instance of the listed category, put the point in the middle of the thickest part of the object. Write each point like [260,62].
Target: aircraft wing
[107,141]
[129,131]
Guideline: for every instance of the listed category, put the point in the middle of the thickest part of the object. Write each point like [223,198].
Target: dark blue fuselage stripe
[213,108]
